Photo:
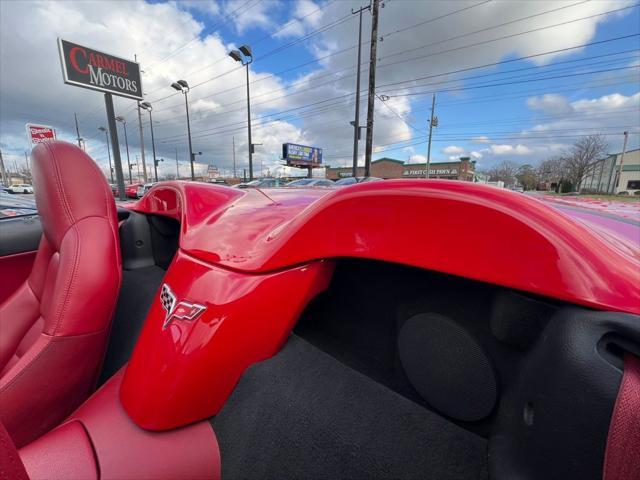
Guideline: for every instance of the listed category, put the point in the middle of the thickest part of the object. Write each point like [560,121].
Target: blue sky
[303,77]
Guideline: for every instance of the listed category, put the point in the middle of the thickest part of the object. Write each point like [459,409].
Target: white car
[21,188]
[142,189]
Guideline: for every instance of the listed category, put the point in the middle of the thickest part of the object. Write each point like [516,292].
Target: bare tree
[504,171]
[582,156]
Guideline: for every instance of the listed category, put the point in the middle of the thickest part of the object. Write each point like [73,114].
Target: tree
[527,177]
[504,171]
[582,156]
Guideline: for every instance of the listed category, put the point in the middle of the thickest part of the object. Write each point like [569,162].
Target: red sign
[40,133]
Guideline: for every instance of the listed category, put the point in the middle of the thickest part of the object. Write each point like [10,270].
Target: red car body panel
[197,364]
[256,258]
[465,229]
[131,191]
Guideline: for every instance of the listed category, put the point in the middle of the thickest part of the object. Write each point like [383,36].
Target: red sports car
[406,329]
[131,190]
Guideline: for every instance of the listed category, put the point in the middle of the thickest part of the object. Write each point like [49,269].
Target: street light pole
[356,122]
[177,166]
[147,106]
[183,86]
[244,55]
[106,134]
[126,142]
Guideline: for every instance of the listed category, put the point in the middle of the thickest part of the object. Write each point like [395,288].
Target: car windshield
[346,181]
[299,183]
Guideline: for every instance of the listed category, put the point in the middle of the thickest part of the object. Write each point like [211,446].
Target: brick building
[463,169]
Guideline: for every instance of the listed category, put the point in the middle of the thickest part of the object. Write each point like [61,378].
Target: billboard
[39,133]
[89,68]
[301,155]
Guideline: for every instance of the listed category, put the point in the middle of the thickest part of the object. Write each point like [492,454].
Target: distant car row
[305,182]
[19,188]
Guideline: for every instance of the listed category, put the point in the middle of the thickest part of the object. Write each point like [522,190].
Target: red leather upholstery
[20,265]
[54,327]
[100,437]
[11,467]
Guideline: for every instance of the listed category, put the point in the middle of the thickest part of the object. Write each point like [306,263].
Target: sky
[513,80]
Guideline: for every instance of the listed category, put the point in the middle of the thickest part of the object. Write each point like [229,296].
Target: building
[606,176]
[463,169]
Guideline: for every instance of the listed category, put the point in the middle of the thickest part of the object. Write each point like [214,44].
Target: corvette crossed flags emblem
[181,310]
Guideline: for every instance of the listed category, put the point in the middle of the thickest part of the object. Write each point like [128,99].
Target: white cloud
[550,103]
[501,149]
[453,149]
[481,139]
[475,154]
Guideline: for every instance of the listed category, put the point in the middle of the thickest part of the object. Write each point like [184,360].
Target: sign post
[88,68]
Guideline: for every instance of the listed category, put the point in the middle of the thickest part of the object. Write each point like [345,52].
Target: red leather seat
[54,328]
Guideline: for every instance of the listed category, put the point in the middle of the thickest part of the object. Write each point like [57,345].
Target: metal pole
[77,129]
[3,171]
[433,106]
[126,143]
[144,164]
[356,123]
[186,104]
[233,139]
[372,86]
[109,154]
[249,126]
[177,166]
[624,150]
[113,130]
[153,146]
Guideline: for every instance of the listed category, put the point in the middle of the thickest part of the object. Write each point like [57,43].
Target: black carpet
[137,292]
[303,414]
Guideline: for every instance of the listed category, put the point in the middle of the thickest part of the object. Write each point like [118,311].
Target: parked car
[311,182]
[142,189]
[21,188]
[131,191]
[353,180]
[114,189]
[262,183]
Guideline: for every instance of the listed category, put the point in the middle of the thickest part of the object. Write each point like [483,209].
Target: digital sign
[301,155]
[89,68]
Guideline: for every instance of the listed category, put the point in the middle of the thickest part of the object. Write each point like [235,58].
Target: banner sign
[39,133]
[89,68]
[300,155]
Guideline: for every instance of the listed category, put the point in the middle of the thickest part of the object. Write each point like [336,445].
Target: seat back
[54,327]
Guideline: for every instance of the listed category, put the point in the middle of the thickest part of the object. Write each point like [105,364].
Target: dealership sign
[301,155]
[89,68]
[432,171]
[39,133]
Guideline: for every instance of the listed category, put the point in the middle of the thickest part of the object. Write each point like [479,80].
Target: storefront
[463,169]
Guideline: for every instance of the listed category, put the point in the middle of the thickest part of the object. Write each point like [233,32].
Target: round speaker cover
[447,367]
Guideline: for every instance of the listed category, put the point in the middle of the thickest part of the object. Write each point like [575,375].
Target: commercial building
[463,169]
[607,175]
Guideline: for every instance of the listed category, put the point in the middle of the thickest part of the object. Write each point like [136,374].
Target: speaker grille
[447,367]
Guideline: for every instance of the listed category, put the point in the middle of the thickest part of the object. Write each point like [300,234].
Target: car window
[12,206]
[346,181]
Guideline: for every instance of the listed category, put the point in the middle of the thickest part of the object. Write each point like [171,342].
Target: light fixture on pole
[183,86]
[122,120]
[106,134]
[147,106]
[244,55]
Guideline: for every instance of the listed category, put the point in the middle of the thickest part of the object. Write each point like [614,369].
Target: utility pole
[624,150]
[77,130]
[3,171]
[433,122]
[233,139]
[177,166]
[144,164]
[26,160]
[372,86]
[356,122]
